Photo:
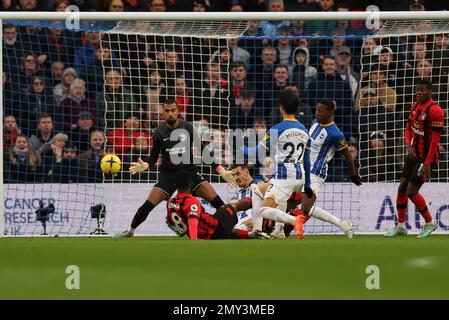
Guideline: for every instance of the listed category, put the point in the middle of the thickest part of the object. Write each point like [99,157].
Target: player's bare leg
[155,197]
[208,193]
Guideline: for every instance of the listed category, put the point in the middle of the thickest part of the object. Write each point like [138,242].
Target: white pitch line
[424,263]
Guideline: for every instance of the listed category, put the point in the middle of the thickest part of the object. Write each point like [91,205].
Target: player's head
[288,102]
[241,175]
[324,111]
[171,112]
[183,181]
[423,90]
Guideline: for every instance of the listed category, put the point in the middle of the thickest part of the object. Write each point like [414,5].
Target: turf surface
[325,267]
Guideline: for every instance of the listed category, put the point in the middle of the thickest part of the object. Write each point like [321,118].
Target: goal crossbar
[234,16]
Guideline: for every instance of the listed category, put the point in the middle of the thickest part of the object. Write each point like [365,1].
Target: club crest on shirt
[182,137]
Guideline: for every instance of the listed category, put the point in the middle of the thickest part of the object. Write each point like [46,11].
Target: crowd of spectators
[69,97]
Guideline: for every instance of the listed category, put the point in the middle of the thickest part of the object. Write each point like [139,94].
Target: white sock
[323,215]
[278,227]
[256,217]
[277,215]
[401,225]
[131,230]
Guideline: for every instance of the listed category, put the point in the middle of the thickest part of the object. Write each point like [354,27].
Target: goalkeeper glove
[227,175]
[139,166]
[309,192]
[356,180]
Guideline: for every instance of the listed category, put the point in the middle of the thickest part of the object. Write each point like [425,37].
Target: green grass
[325,267]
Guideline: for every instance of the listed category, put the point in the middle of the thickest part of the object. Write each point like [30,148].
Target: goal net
[393,60]
[70,97]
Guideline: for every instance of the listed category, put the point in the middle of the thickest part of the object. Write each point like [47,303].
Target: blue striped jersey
[287,141]
[325,140]
[246,192]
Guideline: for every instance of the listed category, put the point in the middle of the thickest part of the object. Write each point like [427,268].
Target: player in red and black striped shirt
[422,135]
[186,216]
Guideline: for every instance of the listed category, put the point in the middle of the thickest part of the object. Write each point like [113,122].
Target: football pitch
[317,267]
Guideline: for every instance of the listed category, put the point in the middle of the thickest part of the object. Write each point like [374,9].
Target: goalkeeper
[174,141]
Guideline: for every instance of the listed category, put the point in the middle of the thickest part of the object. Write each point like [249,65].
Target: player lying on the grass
[326,138]
[290,143]
[257,193]
[186,216]
[422,136]
[169,143]
[245,227]
[244,181]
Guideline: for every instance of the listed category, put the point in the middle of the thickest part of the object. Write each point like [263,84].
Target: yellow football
[111,164]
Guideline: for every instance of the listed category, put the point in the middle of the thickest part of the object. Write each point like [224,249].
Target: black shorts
[227,219]
[167,182]
[410,171]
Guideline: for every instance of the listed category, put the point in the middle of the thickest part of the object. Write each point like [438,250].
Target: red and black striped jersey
[423,119]
[184,206]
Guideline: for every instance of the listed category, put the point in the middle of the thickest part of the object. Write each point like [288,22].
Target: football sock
[420,204]
[278,227]
[323,215]
[277,215]
[141,214]
[217,202]
[401,206]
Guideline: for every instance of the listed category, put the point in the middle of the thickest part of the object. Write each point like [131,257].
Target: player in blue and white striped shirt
[289,142]
[244,180]
[326,138]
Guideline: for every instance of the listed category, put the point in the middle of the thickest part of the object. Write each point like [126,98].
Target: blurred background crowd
[69,97]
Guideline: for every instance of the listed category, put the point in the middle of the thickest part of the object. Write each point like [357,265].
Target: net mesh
[392,61]
[78,95]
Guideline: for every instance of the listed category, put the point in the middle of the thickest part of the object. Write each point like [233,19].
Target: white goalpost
[118,69]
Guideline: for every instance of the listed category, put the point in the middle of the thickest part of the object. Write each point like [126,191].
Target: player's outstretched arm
[139,166]
[355,178]
[227,175]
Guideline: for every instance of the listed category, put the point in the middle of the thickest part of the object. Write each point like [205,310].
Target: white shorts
[315,183]
[281,190]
